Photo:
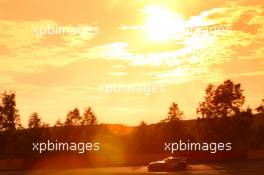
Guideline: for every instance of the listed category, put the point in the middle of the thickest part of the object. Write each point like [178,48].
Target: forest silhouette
[220,118]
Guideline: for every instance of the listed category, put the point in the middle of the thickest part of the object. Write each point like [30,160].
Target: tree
[260,109]
[73,118]
[141,137]
[34,121]
[9,117]
[142,127]
[171,127]
[222,101]
[45,125]
[2,119]
[89,117]
[174,113]
[58,123]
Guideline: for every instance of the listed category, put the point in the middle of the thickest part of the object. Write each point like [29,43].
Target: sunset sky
[136,43]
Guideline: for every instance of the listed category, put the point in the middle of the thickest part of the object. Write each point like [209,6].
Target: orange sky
[134,43]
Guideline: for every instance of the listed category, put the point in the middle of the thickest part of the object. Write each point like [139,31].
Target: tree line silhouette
[73,118]
[220,118]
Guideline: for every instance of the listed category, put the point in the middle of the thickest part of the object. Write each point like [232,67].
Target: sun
[162,24]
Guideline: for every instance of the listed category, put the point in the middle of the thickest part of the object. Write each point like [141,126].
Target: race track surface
[228,168]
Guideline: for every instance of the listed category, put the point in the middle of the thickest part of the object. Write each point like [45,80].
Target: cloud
[22,50]
[64,71]
[19,34]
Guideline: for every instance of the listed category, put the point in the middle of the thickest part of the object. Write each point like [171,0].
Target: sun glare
[162,24]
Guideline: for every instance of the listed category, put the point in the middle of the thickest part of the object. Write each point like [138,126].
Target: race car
[168,164]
